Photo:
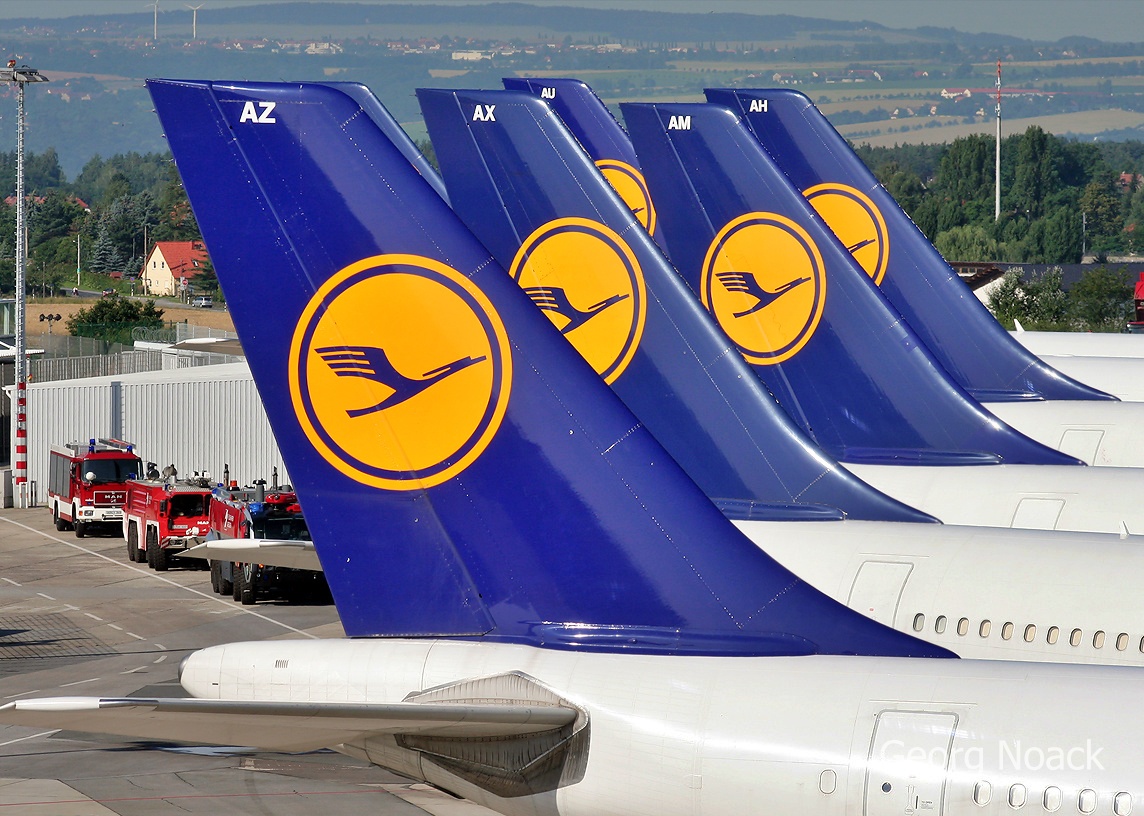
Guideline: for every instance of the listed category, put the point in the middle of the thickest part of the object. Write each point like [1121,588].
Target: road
[76,618]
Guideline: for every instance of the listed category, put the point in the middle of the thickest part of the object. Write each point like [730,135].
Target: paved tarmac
[76,618]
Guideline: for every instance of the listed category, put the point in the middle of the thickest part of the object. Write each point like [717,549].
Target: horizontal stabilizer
[291,554]
[280,726]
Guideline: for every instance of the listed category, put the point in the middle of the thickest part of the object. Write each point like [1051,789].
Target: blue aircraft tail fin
[522,183]
[787,292]
[465,473]
[954,324]
[601,136]
[393,131]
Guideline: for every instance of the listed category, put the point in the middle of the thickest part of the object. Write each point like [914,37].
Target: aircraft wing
[282,726]
[274,553]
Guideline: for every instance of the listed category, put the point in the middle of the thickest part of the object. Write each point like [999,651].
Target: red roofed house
[169,263]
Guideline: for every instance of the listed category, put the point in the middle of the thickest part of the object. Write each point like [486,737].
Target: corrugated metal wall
[197,419]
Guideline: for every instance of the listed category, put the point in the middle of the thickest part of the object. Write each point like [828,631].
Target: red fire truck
[258,512]
[87,484]
[162,518]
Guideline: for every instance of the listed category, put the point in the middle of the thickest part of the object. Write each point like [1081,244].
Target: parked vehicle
[163,518]
[87,484]
[202,302]
[256,512]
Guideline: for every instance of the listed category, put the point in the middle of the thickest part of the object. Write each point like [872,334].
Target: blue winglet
[464,471]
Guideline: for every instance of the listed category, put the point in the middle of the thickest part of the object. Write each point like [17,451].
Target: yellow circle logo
[400,371]
[765,283]
[629,183]
[587,280]
[857,222]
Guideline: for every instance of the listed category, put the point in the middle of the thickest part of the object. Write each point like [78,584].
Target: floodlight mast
[997,152]
[21,76]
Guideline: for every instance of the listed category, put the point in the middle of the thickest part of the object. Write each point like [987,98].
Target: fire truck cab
[87,483]
[162,518]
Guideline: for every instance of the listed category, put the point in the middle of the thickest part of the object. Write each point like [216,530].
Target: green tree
[1007,301]
[1037,177]
[1039,302]
[1046,303]
[52,217]
[105,256]
[118,186]
[904,185]
[112,319]
[966,243]
[176,222]
[966,170]
[1061,237]
[1103,217]
[1102,299]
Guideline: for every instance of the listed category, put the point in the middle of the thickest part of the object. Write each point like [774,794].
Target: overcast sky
[1110,20]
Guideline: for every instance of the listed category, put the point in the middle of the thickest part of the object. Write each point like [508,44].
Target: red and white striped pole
[21,463]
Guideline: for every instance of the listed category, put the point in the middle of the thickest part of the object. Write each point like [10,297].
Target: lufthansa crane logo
[765,283]
[587,280]
[400,371]
[632,188]
[858,223]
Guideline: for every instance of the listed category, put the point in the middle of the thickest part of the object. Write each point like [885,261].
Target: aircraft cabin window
[1054,633]
[963,627]
[1017,796]
[1007,632]
[1098,640]
[919,622]
[1086,801]
[1122,804]
[1030,632]
[1074,638]
[984,628]
[1142,645]
[1052,799]
[982,793]
[1122,641]
[939,625]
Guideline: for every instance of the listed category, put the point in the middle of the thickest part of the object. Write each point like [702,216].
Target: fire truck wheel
[216,576]
[132,541]
[80,529]
[236,584]
[162,558]
[225,585]
[61,525]
[152,546]
[249,582]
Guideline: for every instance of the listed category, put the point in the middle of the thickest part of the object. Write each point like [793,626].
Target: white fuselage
[979,592]
[1038,497]
[1104,433]
[682,736]
[1088,344]
[1123,377]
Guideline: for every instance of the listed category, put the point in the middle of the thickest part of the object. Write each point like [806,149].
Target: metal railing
[125,362]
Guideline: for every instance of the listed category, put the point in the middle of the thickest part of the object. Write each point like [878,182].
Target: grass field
[1084,122]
